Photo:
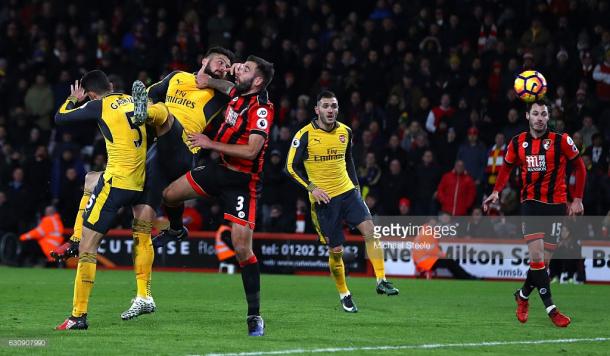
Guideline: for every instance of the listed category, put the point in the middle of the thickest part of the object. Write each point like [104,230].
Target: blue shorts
[328,218]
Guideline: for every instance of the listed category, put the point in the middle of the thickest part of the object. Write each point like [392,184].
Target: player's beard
[207,70]
[538,131]
[243,87]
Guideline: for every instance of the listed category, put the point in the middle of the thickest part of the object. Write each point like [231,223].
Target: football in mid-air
[530,85]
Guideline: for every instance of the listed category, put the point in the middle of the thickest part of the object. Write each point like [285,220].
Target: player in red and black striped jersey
[541,156]
[241,141]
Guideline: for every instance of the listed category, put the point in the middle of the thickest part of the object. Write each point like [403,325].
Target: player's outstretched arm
[68,112]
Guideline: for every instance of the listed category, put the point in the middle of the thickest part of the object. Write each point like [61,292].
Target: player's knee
[169,196]
[537,256]
[337,249]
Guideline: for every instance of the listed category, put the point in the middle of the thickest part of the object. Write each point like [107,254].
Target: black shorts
[542,221]
[105,202]
[237,190]
[328,218]
[167,160]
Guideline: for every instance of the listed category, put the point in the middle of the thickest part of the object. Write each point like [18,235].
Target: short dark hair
[96,81]
[540,102]
[325,94]
[264,68]
[222,51]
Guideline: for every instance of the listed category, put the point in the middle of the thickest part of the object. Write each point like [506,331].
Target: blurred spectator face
[71,174]
[477,214]
[587,121]
[67,155]
[577,138]
[597,140]
[284,133]
[2,198]
[367,138]
[560,126]
[499,140]
[18,175]
[288,79]
[444,218]
[41,152]
[395,167]
[373,57]
[394,142]
[40,80]
[427,157]
[451,134]
[301,115]
[424,103]
[370,159]
[276,211]
[587,160]
[459,167]
[445,100]
[49,210]
[374,128]
[34,134]
[414,127]
[513,116]
[100,160]
[2,133]
[420,140]
[355,98]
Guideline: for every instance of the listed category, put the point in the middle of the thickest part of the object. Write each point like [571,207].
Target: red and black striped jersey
[246,115]
[542,165]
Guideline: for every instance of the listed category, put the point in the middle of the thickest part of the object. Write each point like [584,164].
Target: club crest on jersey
[342,138]
[546,143]
[536,163]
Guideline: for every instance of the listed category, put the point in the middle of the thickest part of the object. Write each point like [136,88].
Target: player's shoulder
[261,100]
[343,127]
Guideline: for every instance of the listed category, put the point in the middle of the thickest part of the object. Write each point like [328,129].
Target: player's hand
[235,68]
[576,207]
[202,80]
[77,91]
[320,196]
[491,199]
[200,140]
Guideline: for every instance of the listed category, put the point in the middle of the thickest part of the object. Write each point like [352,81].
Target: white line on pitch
[405,347]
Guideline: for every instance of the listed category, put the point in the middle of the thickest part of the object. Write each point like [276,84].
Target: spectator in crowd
[404,206]
[474,155]
[278,221]
[7,218]
[39,102]
[394,184]
[427,177]
[598,153]
[457,191]
[478,225]
[369,174]
[587,131]
[495,160]
[41,240]
[601,75]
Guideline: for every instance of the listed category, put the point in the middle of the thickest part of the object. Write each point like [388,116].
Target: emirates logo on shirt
[536,163]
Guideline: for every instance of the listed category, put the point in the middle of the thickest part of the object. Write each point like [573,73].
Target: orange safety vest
[425,251]
[48,234]
[223,252]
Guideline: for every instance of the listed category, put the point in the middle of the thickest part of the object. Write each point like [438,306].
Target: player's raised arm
[68,112]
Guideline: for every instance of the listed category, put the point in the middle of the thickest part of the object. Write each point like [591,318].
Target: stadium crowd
[426,87]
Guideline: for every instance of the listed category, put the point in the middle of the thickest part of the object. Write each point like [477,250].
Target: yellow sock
[337,270]
[157,114]
[83,283]
[78,222]
[374,250]
[143,256]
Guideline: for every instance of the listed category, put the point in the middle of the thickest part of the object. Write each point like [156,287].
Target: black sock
[251,277]
[174,215]
[542,282]
[528,285]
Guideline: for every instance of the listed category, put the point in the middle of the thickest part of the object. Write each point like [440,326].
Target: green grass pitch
[199,313]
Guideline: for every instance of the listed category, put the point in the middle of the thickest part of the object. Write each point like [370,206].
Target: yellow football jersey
[323,159]
[125,142]
[194,108]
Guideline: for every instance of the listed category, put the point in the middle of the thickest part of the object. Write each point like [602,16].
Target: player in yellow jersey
[121,185]
[192,110]
[320,159]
